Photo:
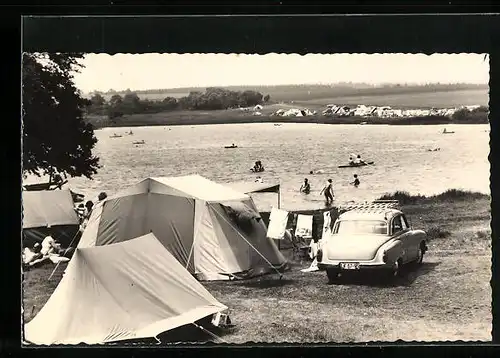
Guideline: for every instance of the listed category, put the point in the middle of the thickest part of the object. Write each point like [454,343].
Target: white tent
[211,229]
[44,208]
[128,290]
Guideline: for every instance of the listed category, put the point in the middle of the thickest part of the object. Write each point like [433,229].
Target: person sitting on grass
[32,254]
[50,246]
[356,181]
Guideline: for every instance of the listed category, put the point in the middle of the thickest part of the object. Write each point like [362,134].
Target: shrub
[406,198]
[454,194]
[435,232]
[403,197]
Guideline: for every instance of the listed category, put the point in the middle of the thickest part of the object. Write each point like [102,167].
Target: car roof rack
[371,206]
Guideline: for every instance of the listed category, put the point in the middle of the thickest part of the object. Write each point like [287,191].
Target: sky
[161,71]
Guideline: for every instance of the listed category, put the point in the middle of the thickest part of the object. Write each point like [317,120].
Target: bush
[435,232]
[403,197]
[458,194]
[406,198]
[478,115]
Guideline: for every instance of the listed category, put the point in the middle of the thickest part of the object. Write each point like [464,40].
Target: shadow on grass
[185,335]
[267,283]
[409,274]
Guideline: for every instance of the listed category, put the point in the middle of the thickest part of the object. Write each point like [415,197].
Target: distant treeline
[342,86]
[213,98]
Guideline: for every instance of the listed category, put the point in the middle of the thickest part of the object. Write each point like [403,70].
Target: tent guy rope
[71,242]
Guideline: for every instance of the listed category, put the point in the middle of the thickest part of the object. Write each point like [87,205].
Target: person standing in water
[328,192]
[305,187]
[356,181]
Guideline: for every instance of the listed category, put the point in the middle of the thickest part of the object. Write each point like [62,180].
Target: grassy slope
[447,298]
[409,98]
[325,93]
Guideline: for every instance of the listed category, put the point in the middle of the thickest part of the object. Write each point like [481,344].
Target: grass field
[316,98]
[402,96]
[447,298]
[443,99]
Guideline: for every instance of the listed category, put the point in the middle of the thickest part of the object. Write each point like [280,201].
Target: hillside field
[320,95]
[443,99]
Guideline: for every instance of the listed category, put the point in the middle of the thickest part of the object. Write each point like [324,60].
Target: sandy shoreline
[230,117]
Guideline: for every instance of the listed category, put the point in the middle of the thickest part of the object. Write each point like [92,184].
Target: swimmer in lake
[356,181]
[328,192]
[305,187]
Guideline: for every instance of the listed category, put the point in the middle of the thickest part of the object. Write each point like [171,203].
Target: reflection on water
[289,152]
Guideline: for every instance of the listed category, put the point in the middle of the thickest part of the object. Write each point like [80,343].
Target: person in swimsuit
[305,187]
[328,192]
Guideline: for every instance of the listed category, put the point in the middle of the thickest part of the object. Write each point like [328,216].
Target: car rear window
[361,227]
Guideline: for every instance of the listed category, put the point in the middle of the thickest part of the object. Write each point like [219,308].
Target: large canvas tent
[125,291]
[211,229]
[49,208]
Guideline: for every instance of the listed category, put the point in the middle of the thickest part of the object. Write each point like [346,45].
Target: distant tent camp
[54,208]
[124,291]
[211,229]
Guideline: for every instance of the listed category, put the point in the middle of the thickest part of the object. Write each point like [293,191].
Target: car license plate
[349,265]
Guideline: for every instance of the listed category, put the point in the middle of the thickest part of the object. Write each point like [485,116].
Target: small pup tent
[212,230]
[44,208]
[125,291]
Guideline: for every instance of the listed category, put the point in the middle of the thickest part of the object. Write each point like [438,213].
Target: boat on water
[277,124]
[356,165]
[363,123]
[447,132]
[231,146]
[140,142]
[115,136]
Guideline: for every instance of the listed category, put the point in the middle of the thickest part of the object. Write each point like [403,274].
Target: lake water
[290,151]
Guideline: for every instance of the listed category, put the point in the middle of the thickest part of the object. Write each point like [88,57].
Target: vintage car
[373,235]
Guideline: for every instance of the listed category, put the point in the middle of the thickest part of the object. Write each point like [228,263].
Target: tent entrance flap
[249,244]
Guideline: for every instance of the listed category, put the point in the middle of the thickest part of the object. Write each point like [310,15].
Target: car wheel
[332,274]
[420,255]
[396,269]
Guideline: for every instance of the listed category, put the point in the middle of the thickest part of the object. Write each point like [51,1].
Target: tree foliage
[477,115]
[56,139]
[214,98]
